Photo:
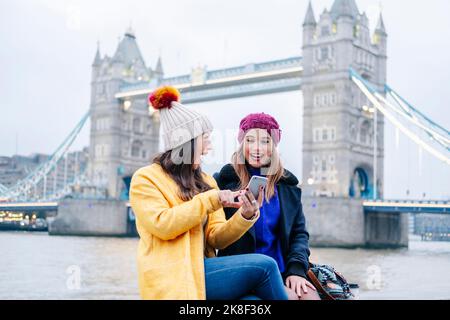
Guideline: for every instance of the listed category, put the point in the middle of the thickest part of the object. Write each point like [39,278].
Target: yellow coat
[173,242]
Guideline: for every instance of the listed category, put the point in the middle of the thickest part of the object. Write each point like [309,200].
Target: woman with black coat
[280,231]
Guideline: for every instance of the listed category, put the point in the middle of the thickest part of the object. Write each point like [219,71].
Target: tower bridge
[341,76]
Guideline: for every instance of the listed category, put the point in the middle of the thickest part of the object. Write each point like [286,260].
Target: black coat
[292,232]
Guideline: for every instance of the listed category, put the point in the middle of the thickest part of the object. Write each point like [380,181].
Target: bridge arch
[361,182]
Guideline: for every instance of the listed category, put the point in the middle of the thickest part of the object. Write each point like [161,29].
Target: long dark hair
[178,164]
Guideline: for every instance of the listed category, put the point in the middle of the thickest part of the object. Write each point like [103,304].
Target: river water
[39,266]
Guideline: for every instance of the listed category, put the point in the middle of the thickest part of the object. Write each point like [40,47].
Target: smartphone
[255,183]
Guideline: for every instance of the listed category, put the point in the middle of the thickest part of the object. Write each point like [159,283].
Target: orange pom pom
[162,97]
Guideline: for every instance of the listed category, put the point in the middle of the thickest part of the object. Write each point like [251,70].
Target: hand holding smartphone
[255,183]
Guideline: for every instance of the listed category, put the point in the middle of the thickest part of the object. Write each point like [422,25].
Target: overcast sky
[47,48]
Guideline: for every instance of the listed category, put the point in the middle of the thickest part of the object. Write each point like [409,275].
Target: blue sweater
[267,227]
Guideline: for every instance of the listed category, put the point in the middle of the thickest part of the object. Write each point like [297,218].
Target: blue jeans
[247,276]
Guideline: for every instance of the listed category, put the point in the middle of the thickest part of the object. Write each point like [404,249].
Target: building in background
[16,168]
[123,134]
[338,120]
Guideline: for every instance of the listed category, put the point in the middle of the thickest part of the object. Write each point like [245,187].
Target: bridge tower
[338,136]
[124,135]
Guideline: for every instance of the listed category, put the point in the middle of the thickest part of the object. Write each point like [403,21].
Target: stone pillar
[89,218]
[386,230]
[334,222]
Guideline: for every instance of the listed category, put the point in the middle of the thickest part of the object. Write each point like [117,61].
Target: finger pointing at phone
[227,198]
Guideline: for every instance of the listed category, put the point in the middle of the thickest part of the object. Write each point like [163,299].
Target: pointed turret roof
[309,17]
[128,50]
[380,25]
[159,67]
[97,59]
[344,8]
[130,32]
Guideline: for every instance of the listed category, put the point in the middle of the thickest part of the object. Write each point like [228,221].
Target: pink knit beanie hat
[260,121]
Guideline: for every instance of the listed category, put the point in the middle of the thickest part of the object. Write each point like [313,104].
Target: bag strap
[318,285]
[338,274]
[341,277]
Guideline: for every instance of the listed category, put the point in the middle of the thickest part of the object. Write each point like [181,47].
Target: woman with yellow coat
[181,221]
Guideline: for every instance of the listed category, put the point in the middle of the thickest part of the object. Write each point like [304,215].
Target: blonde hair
[274,172]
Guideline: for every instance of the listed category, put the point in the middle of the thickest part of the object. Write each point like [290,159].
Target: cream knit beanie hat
[179,124]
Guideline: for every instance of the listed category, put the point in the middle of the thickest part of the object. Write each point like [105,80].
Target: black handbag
[330,284]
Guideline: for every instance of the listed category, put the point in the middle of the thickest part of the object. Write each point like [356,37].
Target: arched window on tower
[325,134]
[364,133]
[353,133]
[136,147]
[325,31]
[324,53]
[137,125]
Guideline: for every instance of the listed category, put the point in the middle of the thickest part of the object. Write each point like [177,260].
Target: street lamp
[374,111]
[375,153]
[151,111]
[126,105]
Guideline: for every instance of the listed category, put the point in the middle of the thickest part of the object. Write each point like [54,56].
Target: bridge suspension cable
[439,138]
[382,105]
[432,129]
[23,188]
[2,188]
[416,111]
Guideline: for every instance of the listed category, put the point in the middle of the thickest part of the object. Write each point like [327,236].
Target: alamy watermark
[73,281]
[374,279]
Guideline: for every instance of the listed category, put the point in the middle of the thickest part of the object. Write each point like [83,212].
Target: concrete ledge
[334,222]
[89,218]
[342,223]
